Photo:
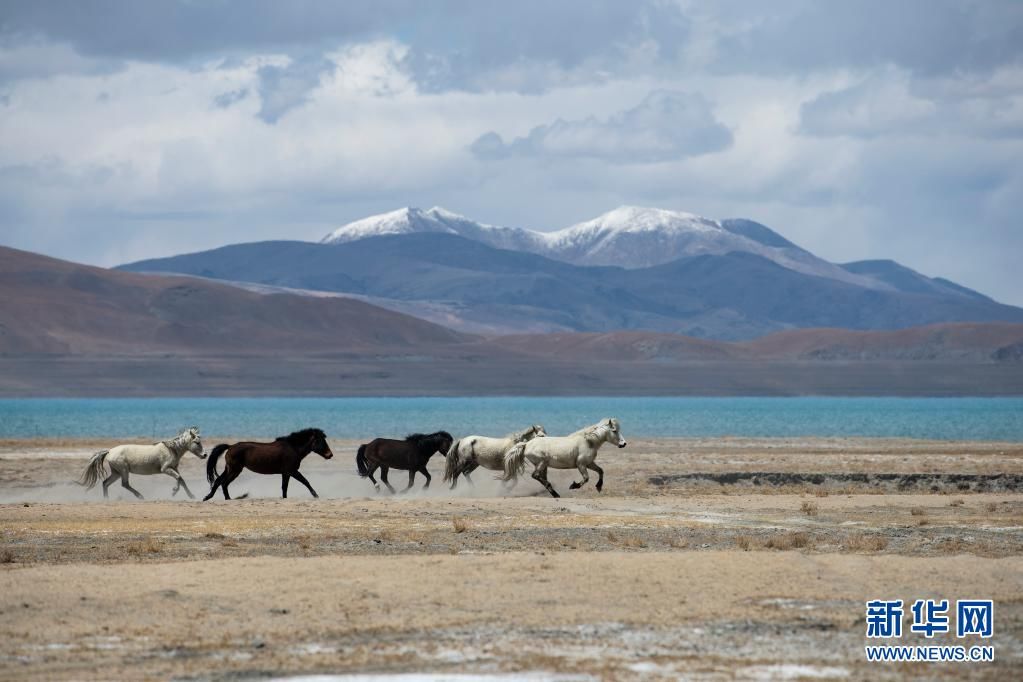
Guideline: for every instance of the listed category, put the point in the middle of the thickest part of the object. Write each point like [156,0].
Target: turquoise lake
[934,418]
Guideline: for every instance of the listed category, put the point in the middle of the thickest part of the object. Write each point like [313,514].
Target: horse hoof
[574,486]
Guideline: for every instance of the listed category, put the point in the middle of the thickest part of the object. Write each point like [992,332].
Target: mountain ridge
[627,236]
[468,285]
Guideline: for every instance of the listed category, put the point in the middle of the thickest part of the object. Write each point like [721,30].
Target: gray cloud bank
[858,129]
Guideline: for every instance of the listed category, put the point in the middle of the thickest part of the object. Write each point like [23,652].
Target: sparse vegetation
[821,493]
[6,556]
[797,540]
[147,546]
[958,502]
[460,525]
[679,542]
[917,511]
[809,508]
[743,542]
[634,542]
[865,543]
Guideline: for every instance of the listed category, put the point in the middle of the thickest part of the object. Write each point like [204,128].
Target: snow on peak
[402,221]
[643,219]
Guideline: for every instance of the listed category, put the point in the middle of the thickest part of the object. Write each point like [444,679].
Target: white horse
[472,452]
[158,458]
[576,451]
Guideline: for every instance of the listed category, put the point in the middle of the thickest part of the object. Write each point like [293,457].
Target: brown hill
[74,330]
[990,341]
[50,306]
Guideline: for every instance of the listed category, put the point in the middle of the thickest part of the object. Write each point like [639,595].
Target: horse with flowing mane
[412,454]
[158,458]
[472,452]
[283,456]
[575,451]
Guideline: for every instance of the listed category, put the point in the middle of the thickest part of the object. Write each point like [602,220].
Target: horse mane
[299,438]
[592,428]
[419,438]
[518,436]
[175,443]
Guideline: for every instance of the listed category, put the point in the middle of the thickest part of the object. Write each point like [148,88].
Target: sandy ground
[709,559]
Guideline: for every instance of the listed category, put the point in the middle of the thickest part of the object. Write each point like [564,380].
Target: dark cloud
[923,36]
[282,88]
[888,104]
[226,99]
[176,30]
[665,126]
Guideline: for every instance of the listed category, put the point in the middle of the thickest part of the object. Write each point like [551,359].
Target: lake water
[934,418]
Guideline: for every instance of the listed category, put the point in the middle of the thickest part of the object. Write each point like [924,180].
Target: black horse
[412,454]
[283,456]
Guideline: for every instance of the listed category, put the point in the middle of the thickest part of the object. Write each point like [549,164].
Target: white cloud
[665,126]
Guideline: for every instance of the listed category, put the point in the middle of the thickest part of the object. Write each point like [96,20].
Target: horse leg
[411,480]
[383,477]
[179,482]
[600,474]
[114,475]
[586,477]
[124,484]
[540,474]
[284,485]
[471,468]
[301,479]
[426,473]
[224,480]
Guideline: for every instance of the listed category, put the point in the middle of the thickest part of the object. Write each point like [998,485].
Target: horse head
[445,441]
[614,434]
[193,442]
[318,444]
[538,431]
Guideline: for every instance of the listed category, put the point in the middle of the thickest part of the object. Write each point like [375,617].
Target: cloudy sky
[866,129]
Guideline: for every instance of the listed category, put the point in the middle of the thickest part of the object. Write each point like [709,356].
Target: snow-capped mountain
[410,220]
[628,237]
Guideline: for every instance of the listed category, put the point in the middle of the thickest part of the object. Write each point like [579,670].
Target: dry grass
[917,511]
[460,525]
[679,542]
[215,536]
[147,546]
[953,545]
[797,540]
[958,502]
[634,542]
[809,508]
[821,493]
[6,557]
[991,507]
[743,542]
[865,543]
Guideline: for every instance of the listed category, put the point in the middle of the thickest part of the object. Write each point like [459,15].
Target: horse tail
[360,461]
[451,466]
[211,463]
[514,462]
[94,470]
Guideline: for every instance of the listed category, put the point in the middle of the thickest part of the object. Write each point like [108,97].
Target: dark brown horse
[412,454]
[283,456]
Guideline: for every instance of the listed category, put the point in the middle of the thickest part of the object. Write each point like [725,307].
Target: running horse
[412,454]
[158,458]
[283,456]
[472,452]
[575,451]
